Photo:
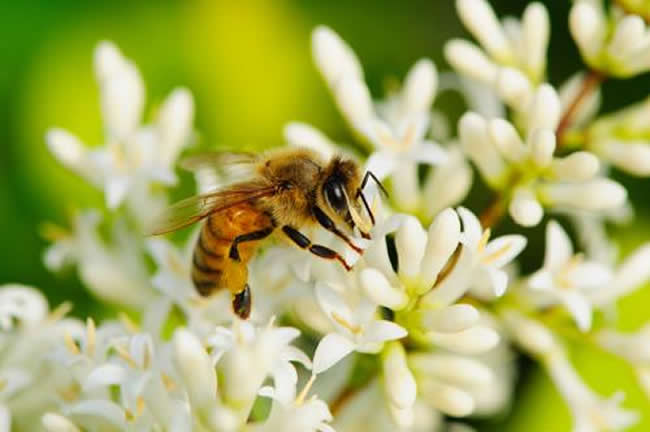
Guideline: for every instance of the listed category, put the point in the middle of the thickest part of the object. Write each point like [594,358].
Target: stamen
[90,337]
[126,356]
[303,393]
[484,239]
[128,323]
[60,311]
[70,344]
[355,329]
[496,254]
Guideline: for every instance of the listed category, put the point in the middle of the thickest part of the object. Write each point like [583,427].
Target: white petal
[453,369]
[430,153]
[469,60]
[498,280]
[542,144]
[536,29]
[103,409]
[541,280]
[67,148]
[381,164]
[196,370]
[419,87]
[410,242]
[448,399]
[628,34]
[507,140]
[104,376]
[400,383]
[450,319]
[475,141]
[333,56]
[116,190]
[330,350]
[303,135]
[472,231]
[579,308]
[448,185]
[558,246]
[175,124]
[442,240]
[332,304]
[53,422]
[578,166]
[588,275]
[525,209]
[531,335]
[379,289]
[5,419]
[474,340]
[514,88]
[587,26]
[480,20]
[504,249]
[381,331]
[630,156]
[545,109]
[355,103]
[595,195]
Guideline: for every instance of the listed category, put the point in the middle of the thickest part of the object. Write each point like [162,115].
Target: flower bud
[398,379]
[450,319]
[542,143]
[474,140]
[473,340]
[578,166]
[480,20]
[525,209]
[450,400]
[587,25]
[468,59]
[380,291]
[410,242]
[514,88]
[598,194]
[443,237]
[536,30]
[420,87]
[57,423]
[453,369]
[507,140]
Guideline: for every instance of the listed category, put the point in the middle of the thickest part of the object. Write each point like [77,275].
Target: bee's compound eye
[335,195]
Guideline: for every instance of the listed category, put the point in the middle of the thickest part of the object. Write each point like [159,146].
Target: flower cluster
[424,330]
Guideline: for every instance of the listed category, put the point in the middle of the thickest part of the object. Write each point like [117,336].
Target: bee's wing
[193,209]
[218,160]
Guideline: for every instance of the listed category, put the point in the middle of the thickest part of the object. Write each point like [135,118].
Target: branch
[590,82]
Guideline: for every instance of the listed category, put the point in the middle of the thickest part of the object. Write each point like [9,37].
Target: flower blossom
[132,155]
[529,171]
[513,58]
[617,45]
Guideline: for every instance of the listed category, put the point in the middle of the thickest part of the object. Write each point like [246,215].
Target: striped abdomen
[213,267]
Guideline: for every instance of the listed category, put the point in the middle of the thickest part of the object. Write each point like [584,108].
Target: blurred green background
[248,65]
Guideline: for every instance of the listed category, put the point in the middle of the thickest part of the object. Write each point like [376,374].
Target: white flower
[623,51]
[567,278]
[529,169]
[488,256]
[513,59]
[590,411]
[131,154]
[247,355]
[634,347]
[357,327]
[301,414]
[621,139]
[115,272]
[395,128]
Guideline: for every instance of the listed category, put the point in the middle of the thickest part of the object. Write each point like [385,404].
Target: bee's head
[340,192]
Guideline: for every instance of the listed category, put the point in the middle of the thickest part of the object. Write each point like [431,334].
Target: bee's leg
[251,236]
[241,303]
[330,226]
[322,251]
[367,176]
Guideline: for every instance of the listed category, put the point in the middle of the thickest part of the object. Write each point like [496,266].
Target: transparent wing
[217,160]
[193,209]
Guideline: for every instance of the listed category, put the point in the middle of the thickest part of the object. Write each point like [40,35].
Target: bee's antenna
[368,175]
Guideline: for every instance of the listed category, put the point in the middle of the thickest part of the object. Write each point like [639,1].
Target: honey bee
[281,192]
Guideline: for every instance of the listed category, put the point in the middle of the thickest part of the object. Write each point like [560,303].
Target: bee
[280,193]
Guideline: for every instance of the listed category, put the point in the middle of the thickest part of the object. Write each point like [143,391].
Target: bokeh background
[249,67]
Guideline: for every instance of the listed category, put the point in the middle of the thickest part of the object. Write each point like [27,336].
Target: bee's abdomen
[209,259]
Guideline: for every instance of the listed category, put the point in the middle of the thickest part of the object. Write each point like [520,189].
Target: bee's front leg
[327,223]
[322,251]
